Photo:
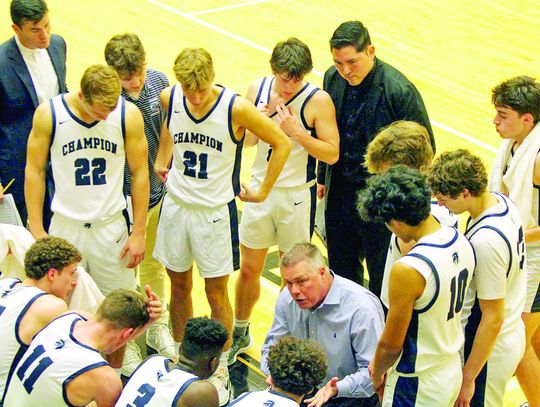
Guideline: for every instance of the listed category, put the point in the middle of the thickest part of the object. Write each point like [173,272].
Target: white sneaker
[132,359]
[220,380]
[159,340]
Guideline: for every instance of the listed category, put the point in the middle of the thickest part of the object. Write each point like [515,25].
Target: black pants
[372,401]
[351,240]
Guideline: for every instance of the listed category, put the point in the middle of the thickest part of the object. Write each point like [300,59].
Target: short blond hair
[101,84]
[194,69]
[402,142]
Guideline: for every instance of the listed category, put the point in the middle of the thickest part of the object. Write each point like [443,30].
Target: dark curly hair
[49,253]
[203,338]
[521,94]
[401,194]
[297,365]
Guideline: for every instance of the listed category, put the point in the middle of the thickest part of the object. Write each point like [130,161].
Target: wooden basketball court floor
[453,51]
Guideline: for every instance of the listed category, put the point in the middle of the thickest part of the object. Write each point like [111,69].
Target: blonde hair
[403,142]
[194,69]
[125,53]
[101,84]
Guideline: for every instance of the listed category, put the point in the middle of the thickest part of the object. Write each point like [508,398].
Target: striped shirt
[153,114]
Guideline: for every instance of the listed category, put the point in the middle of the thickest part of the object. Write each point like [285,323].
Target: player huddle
[450,318]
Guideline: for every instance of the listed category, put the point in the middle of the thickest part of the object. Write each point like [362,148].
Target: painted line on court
[213,10]
[243,40]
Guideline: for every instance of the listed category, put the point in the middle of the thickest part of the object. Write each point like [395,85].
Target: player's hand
[289,122]
[37,231]
[154,304]
[1,193]
[324,394]
[321,191]
[263,108]
[162,173]
[465,394]
[136,247]
[378,382]
[248,194]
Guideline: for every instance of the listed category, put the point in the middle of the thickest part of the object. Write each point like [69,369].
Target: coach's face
[354,65]
[34,34]
[306,283]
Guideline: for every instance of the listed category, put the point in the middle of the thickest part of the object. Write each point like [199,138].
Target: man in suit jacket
[368,95]
[32,70]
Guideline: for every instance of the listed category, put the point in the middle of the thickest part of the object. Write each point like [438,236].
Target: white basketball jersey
[156,382]
[265,398]
[500,228]
[443,216]
[205,169]
[445,258]
[53,359]
[15,299]
[87,163]
[300,166]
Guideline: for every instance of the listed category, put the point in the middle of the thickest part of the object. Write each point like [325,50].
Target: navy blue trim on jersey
[397,244]
[471,327]
[239,398]
[503,237]
[230,122]
[169,110]
[123,116]
[443,245]
[235,179]
[22,314]
[259,92]
[405,392]
[537,187]
[72,327]
[504,212]
[75,375]
[144,363]
[235,240]
[435,275]
[14,364]
[302,116]
[536,302]
[53,130]
[182,390]
[77,120]
[407,361]
[202,119]
[291,99]
[312,209]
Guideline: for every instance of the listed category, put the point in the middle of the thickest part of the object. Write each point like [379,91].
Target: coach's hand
[248,194]
[136,247]
[324,394]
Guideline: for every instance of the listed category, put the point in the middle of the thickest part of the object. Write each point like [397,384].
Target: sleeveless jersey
[52,361]
[300,166]
[87,163]
[265,398]
[205,169]
[14,303]
[156,382]
[443,216]
[435,334]
[504,276]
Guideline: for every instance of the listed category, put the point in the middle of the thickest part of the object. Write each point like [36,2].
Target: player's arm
[246,116]
[533,234]
[164,155]
[492,259]
[100,385]
[325,147]
[37,155]
[199,394]
[137,159]
[401,303]
[251,95]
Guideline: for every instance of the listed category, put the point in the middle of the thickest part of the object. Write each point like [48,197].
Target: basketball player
[296,366]
[198,221]
[89,134]
[423,335]
[307,115]
[161,382]
[407,143]
[63,365]
[26,307]
[516,173]
[142,87]
[494,331]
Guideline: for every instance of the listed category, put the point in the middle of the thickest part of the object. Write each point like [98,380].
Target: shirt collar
[28,52]
[333,296]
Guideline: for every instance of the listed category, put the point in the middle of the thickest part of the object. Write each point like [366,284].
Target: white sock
[223,359]
[241,323]
[177,346]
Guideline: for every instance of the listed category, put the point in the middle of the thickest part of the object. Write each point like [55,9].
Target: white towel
[519,174]
[16,240]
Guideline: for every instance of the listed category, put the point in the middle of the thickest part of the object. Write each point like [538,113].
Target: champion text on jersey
[197,138]
[89,142]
